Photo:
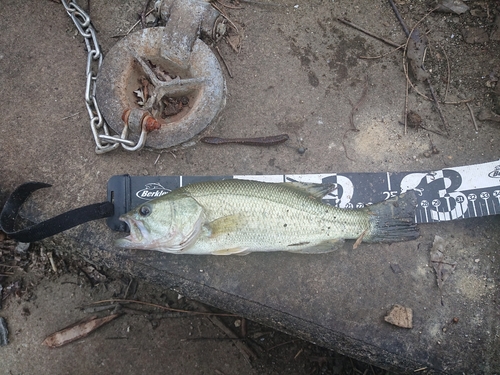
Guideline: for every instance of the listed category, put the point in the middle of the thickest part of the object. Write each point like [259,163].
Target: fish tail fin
[394,219]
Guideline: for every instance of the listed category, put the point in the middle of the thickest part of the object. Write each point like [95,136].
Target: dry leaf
[400,316]
[77,331]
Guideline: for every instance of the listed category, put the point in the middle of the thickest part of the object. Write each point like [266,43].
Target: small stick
[224,61]
[449,74]
[143,14]
[420,369]
[130,283]
[406,100]
[226,17]
[298,353]
[133,26]
[472,116]
[227,6]
[379,57]
[282,344]
[52,263]
[262,4]
[259,141]
[243,327]
[436,101]
[158,158]
[387,41]
[158,306]
[73,115]
[409,34]
[247,352]
[398,16]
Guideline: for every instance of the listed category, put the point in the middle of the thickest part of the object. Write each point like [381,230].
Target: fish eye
[145,210]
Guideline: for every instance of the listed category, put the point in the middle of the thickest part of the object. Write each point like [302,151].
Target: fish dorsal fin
[315,191]
[225,224]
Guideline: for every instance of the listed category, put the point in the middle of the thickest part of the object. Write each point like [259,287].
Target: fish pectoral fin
[234,250]
[315,191]
[225,225]
[322,247]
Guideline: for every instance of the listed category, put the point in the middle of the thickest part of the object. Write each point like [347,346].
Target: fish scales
[289,216]
[240,216]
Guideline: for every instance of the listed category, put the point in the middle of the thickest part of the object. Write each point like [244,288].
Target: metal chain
[105,142]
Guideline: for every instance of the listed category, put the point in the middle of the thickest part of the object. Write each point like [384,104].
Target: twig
[472,116]
[159,306]
[409,35]
[133,26]
[143,14]
[128,286]
[261,3]
[52,263]
[449,74]
[400,19]
[406,101]
[227,6]
[406,45]
[94,309]
[420,369]
[387,41]
[226,17]
[282,344]
[298,353]
[157,158]
[212,339]
[244,348]
[380,56]
[224,61]
[436,101]
[73,115]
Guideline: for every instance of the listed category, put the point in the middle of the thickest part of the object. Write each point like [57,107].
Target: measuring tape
[443,195]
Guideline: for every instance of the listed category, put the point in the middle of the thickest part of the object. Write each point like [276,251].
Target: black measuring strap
[49,227]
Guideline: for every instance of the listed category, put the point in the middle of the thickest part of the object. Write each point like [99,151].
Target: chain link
[105,142]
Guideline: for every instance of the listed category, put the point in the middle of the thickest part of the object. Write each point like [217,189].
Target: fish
[242,216]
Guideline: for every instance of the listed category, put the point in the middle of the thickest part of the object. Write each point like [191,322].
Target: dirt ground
[144,339]
[298,72]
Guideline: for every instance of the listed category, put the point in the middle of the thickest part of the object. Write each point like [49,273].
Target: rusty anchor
[177,69]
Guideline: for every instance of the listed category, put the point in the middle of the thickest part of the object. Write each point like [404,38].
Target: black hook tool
[51,226]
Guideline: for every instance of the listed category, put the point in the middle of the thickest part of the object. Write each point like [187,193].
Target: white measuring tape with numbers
[443,195]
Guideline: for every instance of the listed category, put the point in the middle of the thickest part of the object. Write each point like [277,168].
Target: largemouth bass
[241,216]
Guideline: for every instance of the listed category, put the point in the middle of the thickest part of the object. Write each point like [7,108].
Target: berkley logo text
[495,173]
[151,191]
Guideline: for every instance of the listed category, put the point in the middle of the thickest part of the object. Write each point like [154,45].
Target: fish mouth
[136,238]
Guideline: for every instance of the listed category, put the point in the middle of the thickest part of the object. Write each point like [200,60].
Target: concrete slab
[297,72]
